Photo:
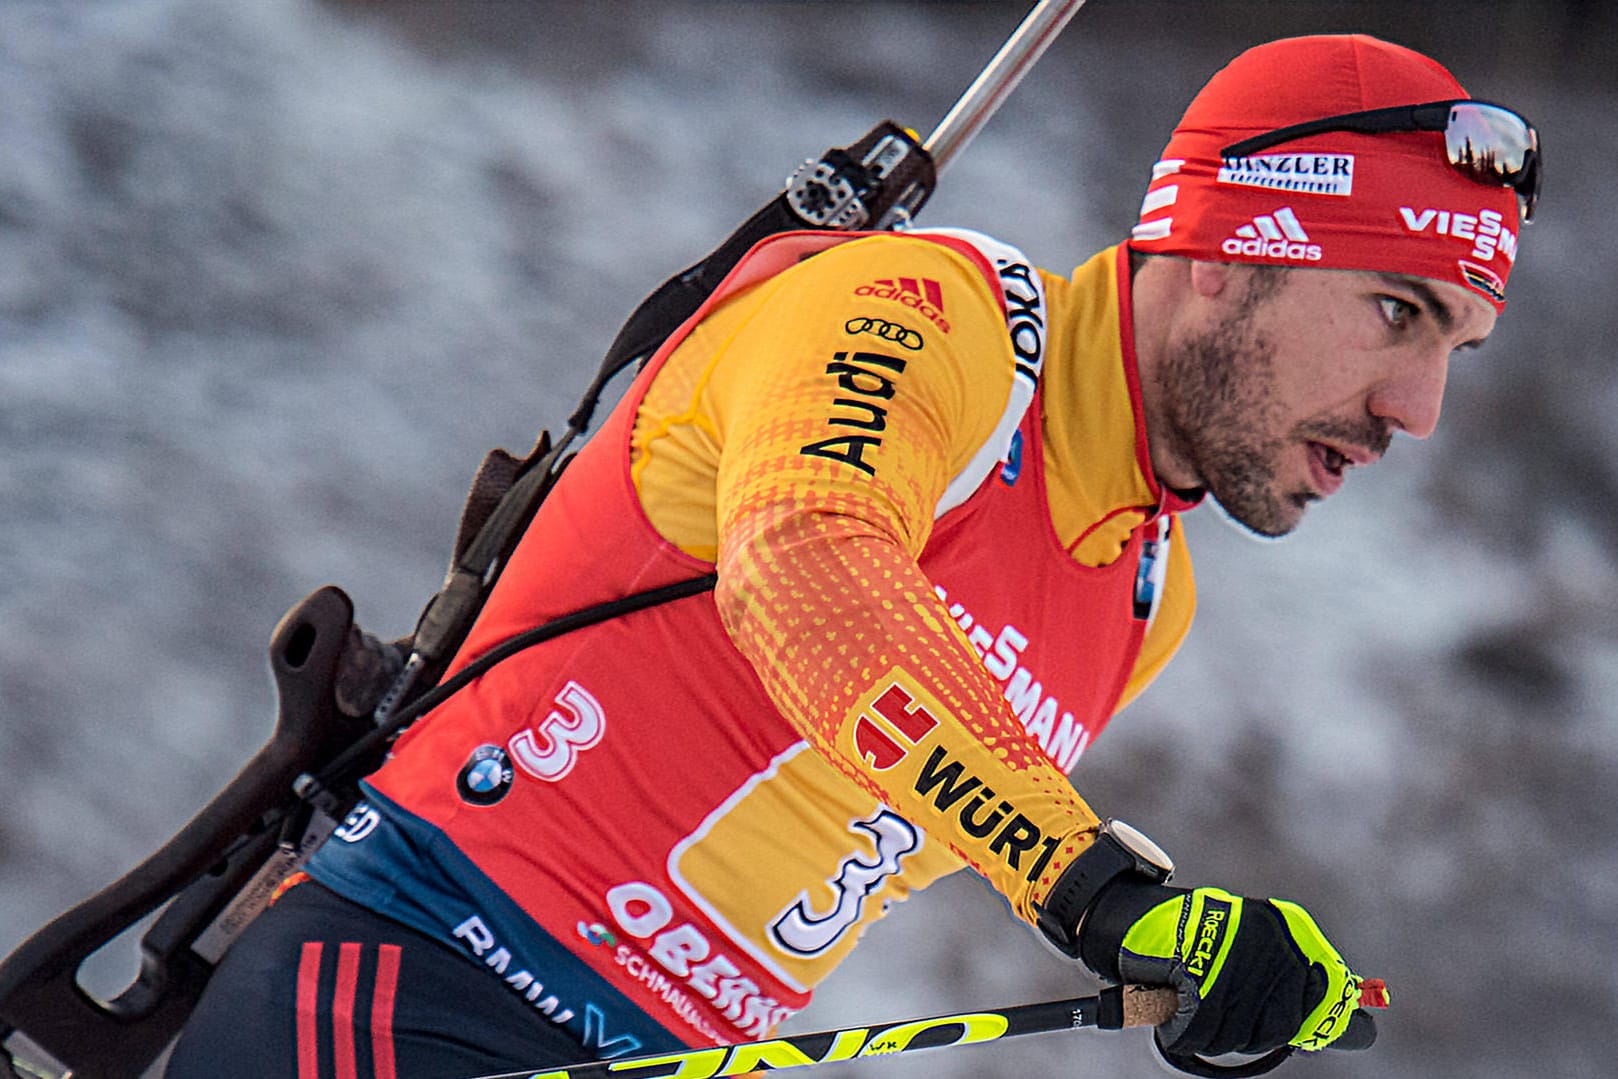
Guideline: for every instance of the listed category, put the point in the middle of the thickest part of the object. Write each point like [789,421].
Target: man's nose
[1412,396]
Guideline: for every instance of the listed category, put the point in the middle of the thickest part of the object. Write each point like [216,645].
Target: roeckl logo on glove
[1210,937]
[1325,1029]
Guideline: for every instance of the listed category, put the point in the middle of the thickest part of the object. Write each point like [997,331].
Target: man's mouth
[1326,467]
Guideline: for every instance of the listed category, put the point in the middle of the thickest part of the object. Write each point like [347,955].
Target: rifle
[343,695]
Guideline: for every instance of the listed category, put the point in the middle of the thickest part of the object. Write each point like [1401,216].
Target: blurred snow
[274,275]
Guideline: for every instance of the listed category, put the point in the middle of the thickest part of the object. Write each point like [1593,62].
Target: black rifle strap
[495,476]
[342,768]
[886,168]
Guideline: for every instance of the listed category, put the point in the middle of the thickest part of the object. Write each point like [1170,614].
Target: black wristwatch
[1119,849]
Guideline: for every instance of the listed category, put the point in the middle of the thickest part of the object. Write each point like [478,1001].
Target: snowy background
[273,275]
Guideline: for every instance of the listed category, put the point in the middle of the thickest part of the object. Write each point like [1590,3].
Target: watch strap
[1076,889]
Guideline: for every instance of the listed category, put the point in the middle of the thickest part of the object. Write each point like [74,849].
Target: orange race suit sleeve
[834,447]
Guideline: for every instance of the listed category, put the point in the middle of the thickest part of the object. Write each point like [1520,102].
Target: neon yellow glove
[1254,974]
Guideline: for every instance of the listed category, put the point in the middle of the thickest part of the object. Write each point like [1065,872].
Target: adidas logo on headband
[1276,235]
[1391,165]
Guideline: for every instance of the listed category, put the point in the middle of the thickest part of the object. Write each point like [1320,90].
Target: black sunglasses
[1488,143]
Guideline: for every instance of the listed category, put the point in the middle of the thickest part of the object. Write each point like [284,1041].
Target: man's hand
[1253,974]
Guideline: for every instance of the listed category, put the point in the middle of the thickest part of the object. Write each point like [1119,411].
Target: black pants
[320,988]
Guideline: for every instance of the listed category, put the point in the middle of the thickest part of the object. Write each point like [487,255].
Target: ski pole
[998,79]
[981,100]
[1112,1009]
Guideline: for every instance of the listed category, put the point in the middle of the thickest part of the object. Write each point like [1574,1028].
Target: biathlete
[941,491]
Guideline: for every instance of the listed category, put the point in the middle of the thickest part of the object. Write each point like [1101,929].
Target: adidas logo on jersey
[1275,235]
[921,294]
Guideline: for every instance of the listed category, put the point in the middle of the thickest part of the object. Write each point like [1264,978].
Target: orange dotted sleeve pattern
[836,446]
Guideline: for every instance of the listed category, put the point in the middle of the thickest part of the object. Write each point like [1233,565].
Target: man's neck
[1157,286]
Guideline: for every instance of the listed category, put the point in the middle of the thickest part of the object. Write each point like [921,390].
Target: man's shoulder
[940,247]
[944,279]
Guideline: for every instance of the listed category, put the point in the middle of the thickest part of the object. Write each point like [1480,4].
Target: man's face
[1288,378]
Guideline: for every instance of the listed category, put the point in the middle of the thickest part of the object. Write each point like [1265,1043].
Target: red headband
[1345,201]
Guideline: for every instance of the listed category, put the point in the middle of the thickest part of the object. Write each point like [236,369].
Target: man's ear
[1209,279]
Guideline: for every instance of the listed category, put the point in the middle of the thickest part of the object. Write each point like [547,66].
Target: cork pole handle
[1149,1005]
[1154,1005]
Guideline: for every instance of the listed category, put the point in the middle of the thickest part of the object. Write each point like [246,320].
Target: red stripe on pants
[387,981]
[342,1010]
[308,987]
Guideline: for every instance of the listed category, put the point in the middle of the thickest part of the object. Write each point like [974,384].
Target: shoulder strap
[1023,299]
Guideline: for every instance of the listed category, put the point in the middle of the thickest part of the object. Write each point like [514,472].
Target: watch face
[1136,842]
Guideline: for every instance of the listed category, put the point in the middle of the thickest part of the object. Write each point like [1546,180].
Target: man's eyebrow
[1441,312]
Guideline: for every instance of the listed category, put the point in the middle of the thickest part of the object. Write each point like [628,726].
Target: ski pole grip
[1154,1005]
[1148,1005]
[1119,1006]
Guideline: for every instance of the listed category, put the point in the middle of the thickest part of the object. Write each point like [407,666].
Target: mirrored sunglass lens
[1487,142]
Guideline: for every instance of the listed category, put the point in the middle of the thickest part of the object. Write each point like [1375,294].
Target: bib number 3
[549,749]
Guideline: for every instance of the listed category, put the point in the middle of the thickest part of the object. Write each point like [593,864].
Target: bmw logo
[486,777]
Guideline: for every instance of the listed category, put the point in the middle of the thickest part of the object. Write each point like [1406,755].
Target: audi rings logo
[903,336]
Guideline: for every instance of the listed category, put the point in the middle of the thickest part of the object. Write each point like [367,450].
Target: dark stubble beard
[1219,400]
[1219,394]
